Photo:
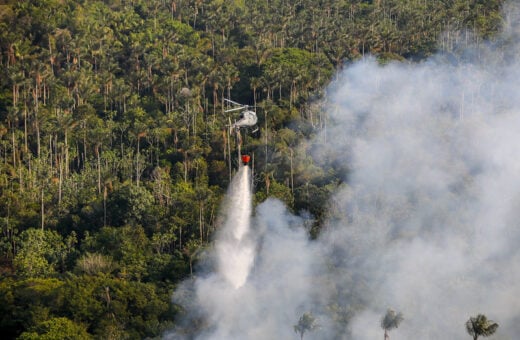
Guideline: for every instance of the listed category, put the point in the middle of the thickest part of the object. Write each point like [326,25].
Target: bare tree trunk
[265,162]
[201,221]
[14,150]
[42,210]
[107,292]
[98,169]
[84,144]
[60,178]
[50,154]
[185,166]
[137,162]
[25,148]
[292,172]
[180,237]
[37,126]
[66,163]
[105,206]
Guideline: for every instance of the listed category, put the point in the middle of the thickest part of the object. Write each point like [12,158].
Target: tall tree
[480,326]
[306,323]
[391,320]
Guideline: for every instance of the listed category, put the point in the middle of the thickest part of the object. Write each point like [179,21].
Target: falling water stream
[235,251]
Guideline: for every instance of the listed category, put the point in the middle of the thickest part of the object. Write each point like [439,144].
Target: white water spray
[235,252]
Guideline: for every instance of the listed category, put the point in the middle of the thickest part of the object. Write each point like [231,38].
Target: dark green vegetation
[306,323]
[391,320]
[480,326]
[114,151]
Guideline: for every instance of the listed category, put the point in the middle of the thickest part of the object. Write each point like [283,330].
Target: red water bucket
[246,159]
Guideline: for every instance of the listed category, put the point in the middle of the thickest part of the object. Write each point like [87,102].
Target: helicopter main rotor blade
[235,109]
[232,102]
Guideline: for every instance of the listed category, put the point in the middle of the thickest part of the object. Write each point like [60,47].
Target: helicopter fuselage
[247,119]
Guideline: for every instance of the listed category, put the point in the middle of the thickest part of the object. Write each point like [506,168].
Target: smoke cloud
[427,221]
[278,286]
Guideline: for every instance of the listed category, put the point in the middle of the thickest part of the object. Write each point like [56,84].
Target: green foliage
[56,329]
[306,323]
[480,326]
[40,254]
[97,304]
[130,204]
[296,72]
[167,268]
[112,306]
[313,198]
[26,303]
[391,320]
[128,246]
[276,190]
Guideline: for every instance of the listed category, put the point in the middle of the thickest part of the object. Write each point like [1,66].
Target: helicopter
[247,118]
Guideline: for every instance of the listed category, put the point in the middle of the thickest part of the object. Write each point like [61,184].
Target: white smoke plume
[427,222]
[266,306]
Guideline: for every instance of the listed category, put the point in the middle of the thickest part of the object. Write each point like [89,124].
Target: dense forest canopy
[115,149]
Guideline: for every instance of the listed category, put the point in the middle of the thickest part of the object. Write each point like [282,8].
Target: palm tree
[307,322]
[391,320]
[480,325]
